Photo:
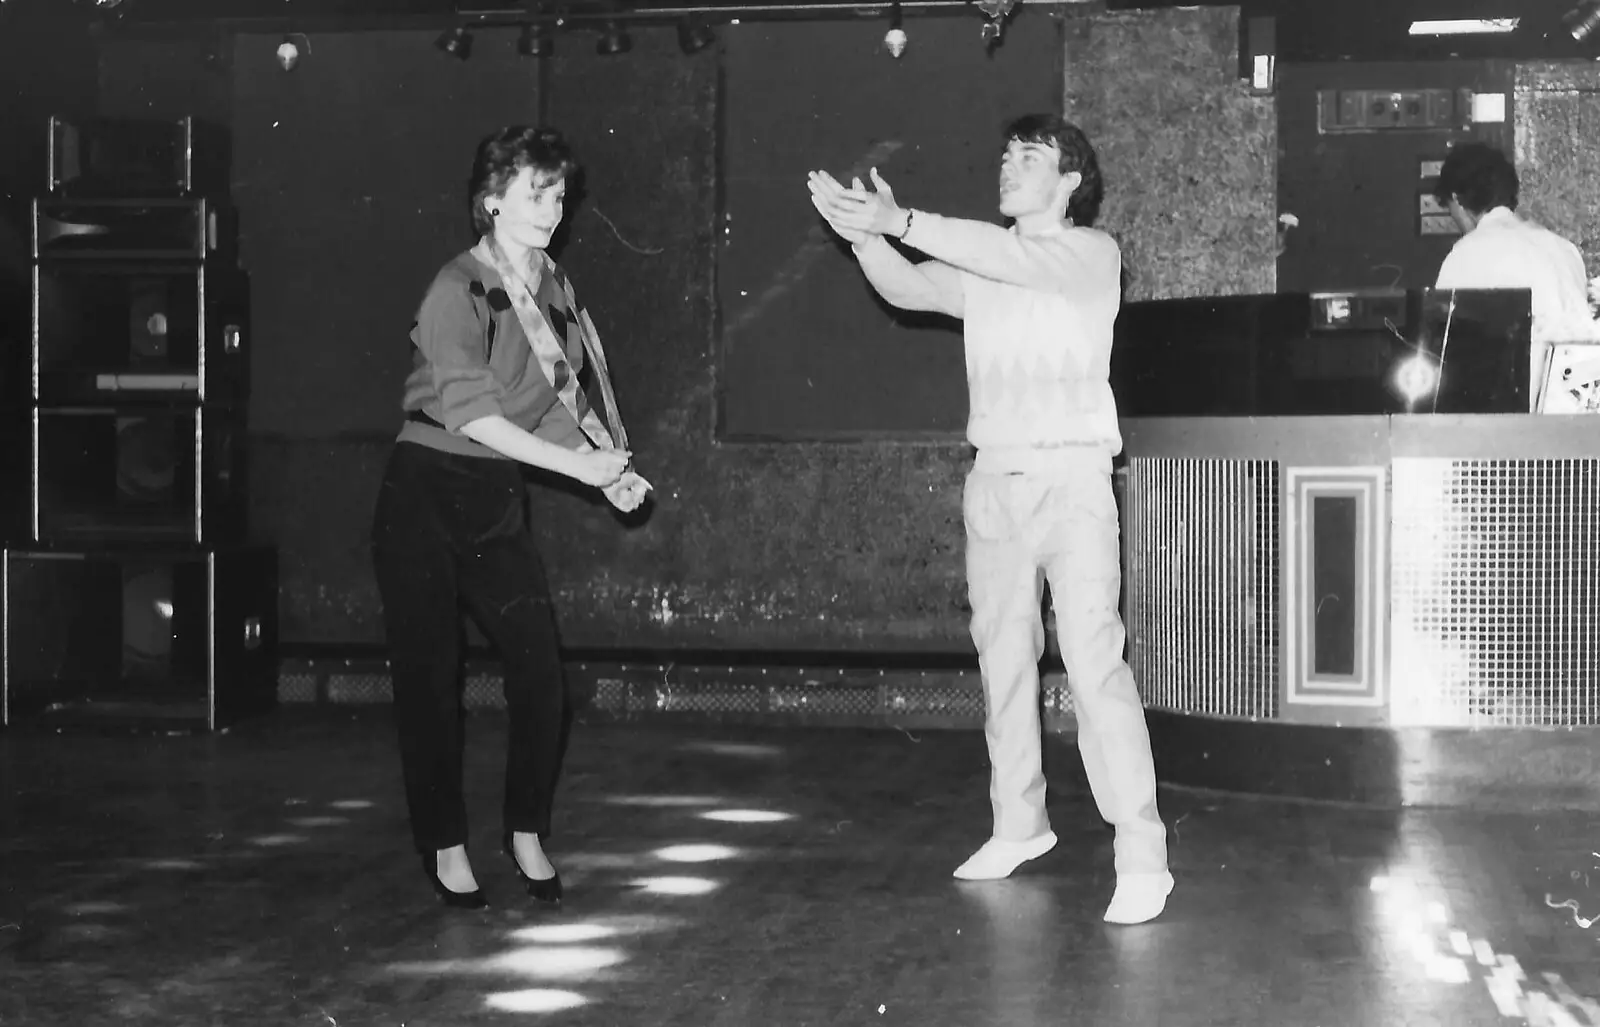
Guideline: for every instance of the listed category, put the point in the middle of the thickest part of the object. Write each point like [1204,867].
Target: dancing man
[1037,303]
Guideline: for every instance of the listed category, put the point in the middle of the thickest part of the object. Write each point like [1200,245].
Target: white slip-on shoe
[997,858]
[1139,897]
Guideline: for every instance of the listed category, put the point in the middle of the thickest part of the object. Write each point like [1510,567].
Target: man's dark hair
[1479,177]
[1076,155]
[505,153]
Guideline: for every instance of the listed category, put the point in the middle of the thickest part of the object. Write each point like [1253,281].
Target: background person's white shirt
[1509,252]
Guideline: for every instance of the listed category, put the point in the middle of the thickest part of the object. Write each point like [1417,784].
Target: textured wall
[1558,150]
[1188,153]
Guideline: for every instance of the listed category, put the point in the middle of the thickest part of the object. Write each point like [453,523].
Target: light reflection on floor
[535,1000]
[676,885]
[563,950]
[747,750]
[695,853]
[556,960]
[665,801]
[1421,925]
[746,816]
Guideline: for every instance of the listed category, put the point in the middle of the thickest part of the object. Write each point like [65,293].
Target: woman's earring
[494,212]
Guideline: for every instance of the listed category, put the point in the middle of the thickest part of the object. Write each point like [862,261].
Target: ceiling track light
[895,39]
[694,35]
[456,42]
[997,12]
[536,41]
[613,40]
[295,45]
[1583,21]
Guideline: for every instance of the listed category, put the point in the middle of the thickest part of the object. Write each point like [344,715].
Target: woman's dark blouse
[471,359]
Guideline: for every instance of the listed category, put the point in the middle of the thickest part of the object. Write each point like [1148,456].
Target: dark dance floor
[745,876]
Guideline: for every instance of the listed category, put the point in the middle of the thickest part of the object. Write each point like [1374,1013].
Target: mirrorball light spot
[676,885]
[535,1000]
[318,821]
[746,816]
[558,961]
[94,908]
[664,800]
[746,750]
[172,864]
[352,804]
[274,841]
[563,934]
[695,853]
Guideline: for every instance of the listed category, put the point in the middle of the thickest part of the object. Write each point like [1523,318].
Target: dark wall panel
[350,175]
[1356,194]
[808,349]
[47,66]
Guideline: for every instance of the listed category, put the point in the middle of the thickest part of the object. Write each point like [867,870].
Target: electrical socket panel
[1386,110]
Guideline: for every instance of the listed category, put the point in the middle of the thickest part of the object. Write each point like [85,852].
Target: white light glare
[1464,26]
[695,853]
[746,816]
[1416,377]
[535,1000]
[895,42]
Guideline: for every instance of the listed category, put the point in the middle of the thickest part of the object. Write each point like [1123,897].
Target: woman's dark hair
[1479,177]
[505,153]
[1076,155]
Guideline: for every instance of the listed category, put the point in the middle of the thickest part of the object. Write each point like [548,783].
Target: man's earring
[494,212]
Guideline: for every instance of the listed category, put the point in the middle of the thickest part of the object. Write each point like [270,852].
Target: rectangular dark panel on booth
[1335,581]
[1361,351]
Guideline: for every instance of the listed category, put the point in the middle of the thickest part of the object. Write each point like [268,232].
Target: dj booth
[1351,551]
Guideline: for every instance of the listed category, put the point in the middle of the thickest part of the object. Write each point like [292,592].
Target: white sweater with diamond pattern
[1038,313]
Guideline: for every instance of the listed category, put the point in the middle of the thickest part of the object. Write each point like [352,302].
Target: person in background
[1037,303]
[1499,249]
[502,353]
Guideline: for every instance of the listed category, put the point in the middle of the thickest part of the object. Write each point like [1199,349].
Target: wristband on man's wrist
[907,230]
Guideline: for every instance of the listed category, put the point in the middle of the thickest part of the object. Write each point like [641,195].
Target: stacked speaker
[131,593]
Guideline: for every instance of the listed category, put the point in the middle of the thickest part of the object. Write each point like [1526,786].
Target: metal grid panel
[1202,584]
[841,695]
[1496,592]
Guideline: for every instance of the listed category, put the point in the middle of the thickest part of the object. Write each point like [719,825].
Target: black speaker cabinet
[135,474]
[136,229]
[107,157]
[180,638]
[106,332]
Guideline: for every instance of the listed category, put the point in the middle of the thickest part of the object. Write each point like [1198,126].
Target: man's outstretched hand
[856,213]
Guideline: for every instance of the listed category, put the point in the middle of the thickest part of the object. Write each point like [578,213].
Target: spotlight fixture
[694,36]
[536,41]
[895,39]
[455,42]
[294,46]
[613,41]
[997,11]
[1583,21]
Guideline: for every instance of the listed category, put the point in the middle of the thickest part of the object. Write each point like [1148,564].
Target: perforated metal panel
[1496,592]
[834,695]
[1201,584]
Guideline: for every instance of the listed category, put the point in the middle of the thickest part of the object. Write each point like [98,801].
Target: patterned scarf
[550,315]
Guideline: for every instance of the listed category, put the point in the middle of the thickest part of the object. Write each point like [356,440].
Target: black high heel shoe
[547,890]
[454,899]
